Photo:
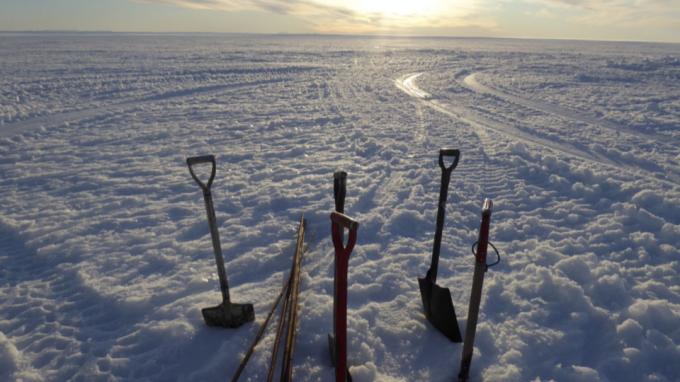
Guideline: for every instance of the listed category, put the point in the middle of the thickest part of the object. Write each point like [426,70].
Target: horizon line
[312,34]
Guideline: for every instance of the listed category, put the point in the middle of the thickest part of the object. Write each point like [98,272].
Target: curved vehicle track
[470,81]
[482,125]
[56,119]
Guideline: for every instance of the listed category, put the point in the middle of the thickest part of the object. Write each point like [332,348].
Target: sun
[368,16]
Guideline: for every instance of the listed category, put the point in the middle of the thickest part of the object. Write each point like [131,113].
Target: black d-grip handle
[198,160]
[455,153]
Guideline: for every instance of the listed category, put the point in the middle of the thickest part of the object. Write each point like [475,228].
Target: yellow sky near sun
[384,15]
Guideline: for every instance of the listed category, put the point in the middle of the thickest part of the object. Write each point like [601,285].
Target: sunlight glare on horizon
[388,15]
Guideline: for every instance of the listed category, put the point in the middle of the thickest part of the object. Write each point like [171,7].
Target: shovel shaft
[441,209]
[341,265]
[339,193]
[217,248]
[441,212]
[212,220]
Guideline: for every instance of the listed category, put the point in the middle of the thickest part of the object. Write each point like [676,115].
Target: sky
[628,20]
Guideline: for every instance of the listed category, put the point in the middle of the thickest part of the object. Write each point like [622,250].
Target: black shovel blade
[439,309]
[228,315]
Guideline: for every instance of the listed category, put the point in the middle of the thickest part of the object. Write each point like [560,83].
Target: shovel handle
[198,160]
[339,222]
[455,153]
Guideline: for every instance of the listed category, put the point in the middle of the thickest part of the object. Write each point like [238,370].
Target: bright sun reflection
[388,15]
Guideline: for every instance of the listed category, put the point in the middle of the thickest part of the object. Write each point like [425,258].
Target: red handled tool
[342,253]
[476,295]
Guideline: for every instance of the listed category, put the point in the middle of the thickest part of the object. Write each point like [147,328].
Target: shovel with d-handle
[338,223]
[227,314]
[476,294]
[437,300]
[339,192]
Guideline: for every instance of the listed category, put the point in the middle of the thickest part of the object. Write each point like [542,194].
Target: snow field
[105,252]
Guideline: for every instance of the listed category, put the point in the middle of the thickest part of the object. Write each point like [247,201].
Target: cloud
[357,16]
[620,13]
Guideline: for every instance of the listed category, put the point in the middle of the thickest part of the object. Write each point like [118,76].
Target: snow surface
[105,256]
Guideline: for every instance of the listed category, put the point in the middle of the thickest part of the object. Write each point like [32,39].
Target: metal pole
[476,294]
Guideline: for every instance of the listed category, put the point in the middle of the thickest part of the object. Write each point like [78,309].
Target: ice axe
[227,314]
[437,300]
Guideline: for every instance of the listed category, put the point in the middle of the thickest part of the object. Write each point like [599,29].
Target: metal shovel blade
[228,315]
[439,309]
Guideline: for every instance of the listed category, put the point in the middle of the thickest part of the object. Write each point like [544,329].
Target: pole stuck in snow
[259,335]
[286,316]
[476,294]
[287,368]
[285,291]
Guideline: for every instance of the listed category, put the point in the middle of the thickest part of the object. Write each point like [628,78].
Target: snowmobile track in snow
[56,119]
[481,125]
[470,81]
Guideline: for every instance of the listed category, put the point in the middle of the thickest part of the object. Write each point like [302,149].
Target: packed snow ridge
[105,254]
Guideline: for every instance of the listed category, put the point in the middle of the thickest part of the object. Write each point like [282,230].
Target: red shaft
[341,265]
[342,254]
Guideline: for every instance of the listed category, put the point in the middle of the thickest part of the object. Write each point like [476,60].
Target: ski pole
[338,223]
[476,294]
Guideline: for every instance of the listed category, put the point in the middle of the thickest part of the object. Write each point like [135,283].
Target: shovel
[437,300]
[227,314]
